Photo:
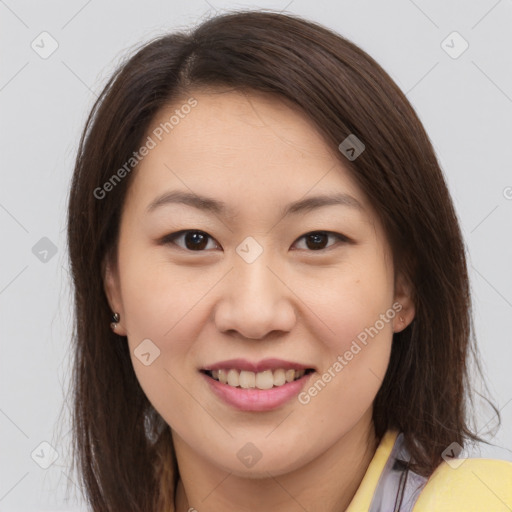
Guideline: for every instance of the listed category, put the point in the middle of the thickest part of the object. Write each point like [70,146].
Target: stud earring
[115,321]
[402,320]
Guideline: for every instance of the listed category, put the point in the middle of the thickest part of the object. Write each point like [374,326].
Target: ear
[404,295]
[111,285]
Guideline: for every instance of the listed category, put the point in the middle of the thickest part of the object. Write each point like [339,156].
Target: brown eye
[317,240]
[193,240]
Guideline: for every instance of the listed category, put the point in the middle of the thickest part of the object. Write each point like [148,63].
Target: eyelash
[170,238]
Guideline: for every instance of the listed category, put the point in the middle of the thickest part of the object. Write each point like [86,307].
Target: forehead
[245,148]
[230,122]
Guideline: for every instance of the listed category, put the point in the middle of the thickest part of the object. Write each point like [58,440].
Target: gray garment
[398,487]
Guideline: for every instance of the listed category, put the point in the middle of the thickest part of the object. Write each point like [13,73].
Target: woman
[272,299]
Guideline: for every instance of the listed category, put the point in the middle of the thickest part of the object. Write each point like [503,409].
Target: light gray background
[465,104]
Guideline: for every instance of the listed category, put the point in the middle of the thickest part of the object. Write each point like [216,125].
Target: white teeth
[261,380]
[247,379]
[279,377]
[233,378]
[265,380]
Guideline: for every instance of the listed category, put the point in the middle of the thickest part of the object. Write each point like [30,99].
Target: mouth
[266,379]
[257,387]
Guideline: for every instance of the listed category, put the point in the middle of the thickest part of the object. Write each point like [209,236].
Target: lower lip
[257,399]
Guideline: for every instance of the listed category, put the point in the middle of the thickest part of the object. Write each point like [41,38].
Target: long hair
[122,447]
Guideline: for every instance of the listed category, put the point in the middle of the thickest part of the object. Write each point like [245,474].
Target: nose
[255,301]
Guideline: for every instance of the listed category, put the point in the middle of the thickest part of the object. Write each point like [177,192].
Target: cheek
[356,327]
[356,304]
[165,304]
[158,296]
[163,307]
[356,357]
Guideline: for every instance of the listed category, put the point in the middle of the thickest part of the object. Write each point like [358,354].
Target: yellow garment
[477,485]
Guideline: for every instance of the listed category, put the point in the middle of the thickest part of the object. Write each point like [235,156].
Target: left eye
[198,240]
[317,238]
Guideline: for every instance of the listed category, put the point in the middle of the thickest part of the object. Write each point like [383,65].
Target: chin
[262,466]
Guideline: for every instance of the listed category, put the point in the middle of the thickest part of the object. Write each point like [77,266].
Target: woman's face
[260,276]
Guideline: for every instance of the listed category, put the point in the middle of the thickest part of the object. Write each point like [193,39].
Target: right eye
[194,240]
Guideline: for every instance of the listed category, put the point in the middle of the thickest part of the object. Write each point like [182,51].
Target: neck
[331,479]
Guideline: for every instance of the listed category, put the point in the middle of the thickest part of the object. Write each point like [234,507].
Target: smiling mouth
[266,379]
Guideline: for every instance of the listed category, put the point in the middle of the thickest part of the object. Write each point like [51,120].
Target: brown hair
[122,446]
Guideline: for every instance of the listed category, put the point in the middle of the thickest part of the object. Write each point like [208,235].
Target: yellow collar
[364,494]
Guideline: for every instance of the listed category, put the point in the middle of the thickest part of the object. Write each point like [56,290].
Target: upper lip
[264,364]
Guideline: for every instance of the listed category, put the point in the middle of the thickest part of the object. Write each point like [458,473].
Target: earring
[402,320]
[115,321]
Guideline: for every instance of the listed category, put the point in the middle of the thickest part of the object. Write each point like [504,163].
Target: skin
[257,153]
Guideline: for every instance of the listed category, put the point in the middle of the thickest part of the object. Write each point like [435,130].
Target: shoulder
[468,485]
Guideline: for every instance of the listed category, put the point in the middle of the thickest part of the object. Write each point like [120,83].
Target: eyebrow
[220,208]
